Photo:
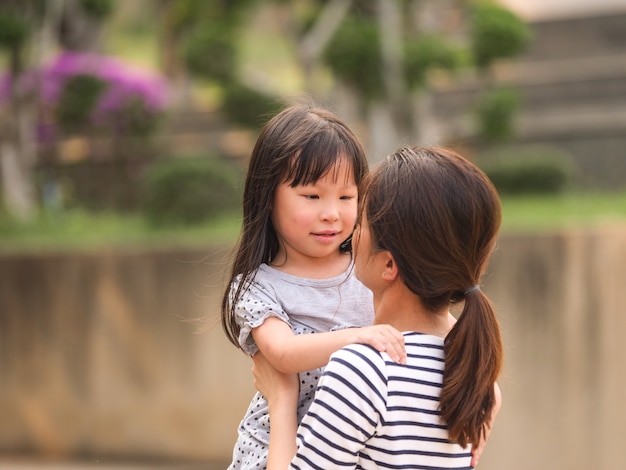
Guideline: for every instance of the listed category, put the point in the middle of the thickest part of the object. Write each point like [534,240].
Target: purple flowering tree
[89,93]
[92,96]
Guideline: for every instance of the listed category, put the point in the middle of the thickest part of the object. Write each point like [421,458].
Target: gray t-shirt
[308,306]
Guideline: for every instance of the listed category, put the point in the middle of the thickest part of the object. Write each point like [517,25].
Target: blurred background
[125,129]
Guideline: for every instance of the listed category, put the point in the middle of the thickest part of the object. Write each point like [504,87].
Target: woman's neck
[400,308]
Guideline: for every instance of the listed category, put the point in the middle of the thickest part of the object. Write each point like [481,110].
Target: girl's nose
[330,212]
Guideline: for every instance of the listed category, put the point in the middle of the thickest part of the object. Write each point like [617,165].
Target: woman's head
[300,146]
[438,215]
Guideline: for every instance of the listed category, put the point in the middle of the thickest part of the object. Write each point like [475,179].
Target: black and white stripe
[370,412]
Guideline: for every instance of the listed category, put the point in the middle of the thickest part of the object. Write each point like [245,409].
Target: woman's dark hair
[300,145]
[439,216]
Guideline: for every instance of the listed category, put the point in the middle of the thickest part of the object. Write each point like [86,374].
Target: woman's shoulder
[360,369]
[359,356]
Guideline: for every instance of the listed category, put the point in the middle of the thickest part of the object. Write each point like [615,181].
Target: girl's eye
[346,198]
[311,196]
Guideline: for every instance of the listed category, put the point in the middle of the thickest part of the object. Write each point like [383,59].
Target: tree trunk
[313,44]
[78,31]
[384,136]
[390,16]
[16,159]
[17,148]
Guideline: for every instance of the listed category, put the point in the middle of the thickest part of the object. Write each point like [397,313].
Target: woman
[428,225]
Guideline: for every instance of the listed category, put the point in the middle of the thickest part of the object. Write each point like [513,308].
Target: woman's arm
[281,392]
[330,419]
[291,353]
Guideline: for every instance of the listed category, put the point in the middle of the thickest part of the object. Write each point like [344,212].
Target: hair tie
[471,289]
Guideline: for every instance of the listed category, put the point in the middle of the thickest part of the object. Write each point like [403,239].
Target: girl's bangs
[316,159]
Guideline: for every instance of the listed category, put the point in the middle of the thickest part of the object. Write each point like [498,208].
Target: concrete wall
[97,358]
[560,301]
[100,356]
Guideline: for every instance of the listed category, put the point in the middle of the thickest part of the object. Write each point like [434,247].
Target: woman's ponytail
[473,359]
[439,216]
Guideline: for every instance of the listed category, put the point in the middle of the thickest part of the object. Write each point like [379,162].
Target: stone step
[578,37]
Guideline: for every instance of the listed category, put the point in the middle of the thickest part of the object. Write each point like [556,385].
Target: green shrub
[496,33]
[354,56]
[189,191]
[210,53]
[537,170]
[13,30]
[248,107]
[97,9]
[425,53]
[77,101]
[495,114]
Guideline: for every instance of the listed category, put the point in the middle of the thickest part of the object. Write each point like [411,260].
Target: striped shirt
[370,412]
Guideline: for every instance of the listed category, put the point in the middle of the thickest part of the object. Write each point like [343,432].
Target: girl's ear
[390,271]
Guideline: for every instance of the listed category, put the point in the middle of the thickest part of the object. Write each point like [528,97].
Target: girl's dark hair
[299,145]
[439,216]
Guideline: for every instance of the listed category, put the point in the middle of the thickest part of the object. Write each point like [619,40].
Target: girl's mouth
[325,236]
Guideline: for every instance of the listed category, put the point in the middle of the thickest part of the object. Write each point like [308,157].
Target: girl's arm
[291,353]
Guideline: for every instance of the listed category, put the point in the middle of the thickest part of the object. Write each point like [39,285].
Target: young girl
[292,272]
[428,227]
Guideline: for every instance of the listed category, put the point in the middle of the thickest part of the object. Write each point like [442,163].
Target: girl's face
[313,220]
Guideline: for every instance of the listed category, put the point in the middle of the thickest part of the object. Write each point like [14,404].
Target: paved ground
[28,464]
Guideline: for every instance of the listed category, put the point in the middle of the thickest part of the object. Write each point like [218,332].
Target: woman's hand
[384,338]
[477,451]
[274,385]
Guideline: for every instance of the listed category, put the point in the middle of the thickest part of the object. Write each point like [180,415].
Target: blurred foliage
[98,9]
[14,30]
[530,170]
[79,229]
[496,33]
[206,34]
[190,191]
[210,52]
[77,100]
[354,53]
[206,40]
[564,211]
[248,107]
[89,93]
[354,56]
[425,53]
[495,112]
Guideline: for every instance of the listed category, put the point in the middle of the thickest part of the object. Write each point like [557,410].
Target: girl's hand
[383,338]
[275,386]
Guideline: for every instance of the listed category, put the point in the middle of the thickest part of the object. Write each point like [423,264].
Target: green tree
[387,49]
[381,53]
[200,39]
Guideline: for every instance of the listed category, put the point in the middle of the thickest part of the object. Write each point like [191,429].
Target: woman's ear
[390,271]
